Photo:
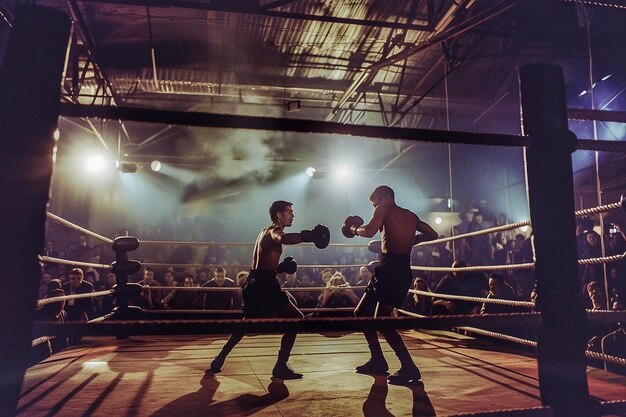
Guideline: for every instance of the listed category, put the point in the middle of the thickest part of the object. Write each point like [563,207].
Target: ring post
[561,342]
[30,88]
[122,267]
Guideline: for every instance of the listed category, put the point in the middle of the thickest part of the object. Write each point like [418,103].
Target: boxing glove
[375,246]
[288,266]
[320,236]
[350,225]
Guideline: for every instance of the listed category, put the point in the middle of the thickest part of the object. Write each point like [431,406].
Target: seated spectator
[291,281]
[146,299]
[54,311]
[186,300]
[416,303]
[364,277]
[498,288]
[219,300]
[81,309]
[337,294]
[469,284]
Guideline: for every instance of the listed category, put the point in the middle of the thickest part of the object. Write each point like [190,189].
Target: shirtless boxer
[392,278]
[262,296]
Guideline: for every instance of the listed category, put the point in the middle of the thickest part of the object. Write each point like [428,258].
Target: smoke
[236,161]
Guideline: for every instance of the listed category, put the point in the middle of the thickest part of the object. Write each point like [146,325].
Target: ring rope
[500,301]
[531,343]
[50,259]
[587,261]
[473,268]
[51,300]
[476,233]
[238,288]
[101,318]
[200,311]
[504,227]
[207,243]
[71,225]
[599,209]
[245,266]
[273,325]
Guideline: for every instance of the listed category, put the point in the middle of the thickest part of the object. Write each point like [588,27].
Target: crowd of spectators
[336,270]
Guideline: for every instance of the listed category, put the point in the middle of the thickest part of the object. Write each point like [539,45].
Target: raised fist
[350,225]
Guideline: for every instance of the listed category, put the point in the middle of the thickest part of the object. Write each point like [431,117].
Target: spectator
[219,300]
[81,309]
[460,283]
[186,300]
[146,299]
[416,303]
[337,294]
[498,288]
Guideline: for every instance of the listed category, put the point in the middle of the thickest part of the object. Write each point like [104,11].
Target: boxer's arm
[374,225]
[427,232]
[285,238]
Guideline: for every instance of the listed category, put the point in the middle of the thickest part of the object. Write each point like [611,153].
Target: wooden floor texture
[165,377]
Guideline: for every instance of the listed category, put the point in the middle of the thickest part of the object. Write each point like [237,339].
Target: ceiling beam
[247,8]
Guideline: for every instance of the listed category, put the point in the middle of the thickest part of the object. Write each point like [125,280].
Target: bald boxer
[262,295]
[391,280]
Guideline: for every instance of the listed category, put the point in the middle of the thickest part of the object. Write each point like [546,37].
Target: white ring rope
[50,259]
[473,268]
[207,243]
[51,300]
[508,338]
[512,303]
[77,227]
[579,213]
[587,261]
[244,266]
[238,288]
[476,233]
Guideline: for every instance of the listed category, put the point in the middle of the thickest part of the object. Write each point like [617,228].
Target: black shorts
[392,280]
[262,295]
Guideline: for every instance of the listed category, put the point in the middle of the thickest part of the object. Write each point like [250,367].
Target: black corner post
[562,343]
[30,87]
[122,267]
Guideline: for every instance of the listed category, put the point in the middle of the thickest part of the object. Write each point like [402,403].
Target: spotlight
[343,172]
[128,167]
[155,165]
[95,164]
[310,171]
[56,134]
[438,220]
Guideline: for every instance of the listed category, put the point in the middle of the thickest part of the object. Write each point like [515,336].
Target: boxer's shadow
[201,403]
[374,405]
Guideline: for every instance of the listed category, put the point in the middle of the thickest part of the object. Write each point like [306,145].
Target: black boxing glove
[350,225]
[375,246]
[320,236]
[288,266]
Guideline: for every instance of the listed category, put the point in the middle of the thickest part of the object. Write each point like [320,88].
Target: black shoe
[285,372]
[406,377]
[217,363]
[374,367]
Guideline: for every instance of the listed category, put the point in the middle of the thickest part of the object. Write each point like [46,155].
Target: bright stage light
[343,172]
[95,164]
[310,171]
[155,165]
[438,220]
[56,134]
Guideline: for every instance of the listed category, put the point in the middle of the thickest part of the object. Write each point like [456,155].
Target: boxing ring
[136,367]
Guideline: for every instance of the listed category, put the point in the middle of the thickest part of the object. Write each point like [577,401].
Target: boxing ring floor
[164,376]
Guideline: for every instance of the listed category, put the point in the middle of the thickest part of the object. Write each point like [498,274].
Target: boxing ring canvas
[165,376]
